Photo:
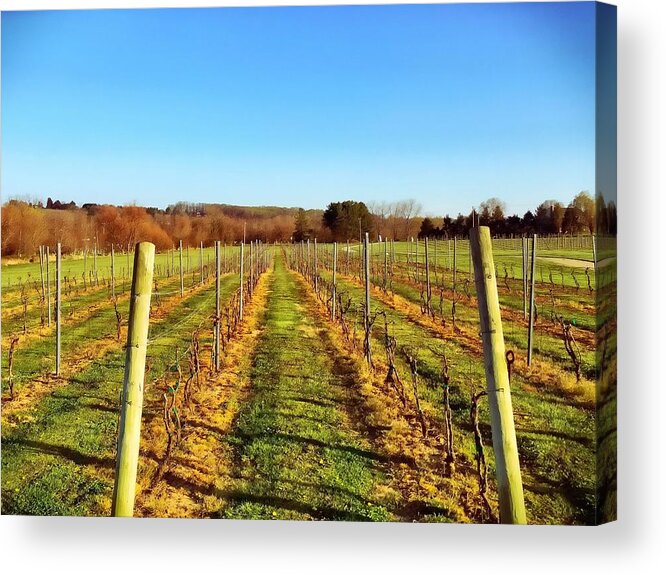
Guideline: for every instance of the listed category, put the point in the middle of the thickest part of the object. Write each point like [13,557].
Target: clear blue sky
[448,104]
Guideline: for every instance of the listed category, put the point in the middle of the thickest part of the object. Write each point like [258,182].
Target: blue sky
[448,104]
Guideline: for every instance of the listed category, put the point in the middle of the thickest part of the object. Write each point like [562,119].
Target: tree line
[27,225]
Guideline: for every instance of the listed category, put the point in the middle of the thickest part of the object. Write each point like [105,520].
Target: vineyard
[310,381]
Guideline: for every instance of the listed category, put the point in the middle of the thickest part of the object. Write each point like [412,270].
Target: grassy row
[60,460]
[555,435]
[296,456]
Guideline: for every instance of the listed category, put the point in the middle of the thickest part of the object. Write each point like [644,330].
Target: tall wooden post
[523,243]
[366,253]
[335,284]
[530,329]
[217,306]
[594,252]
[308,273]
[113,273]
[509,481]
[48,284]
[133,382]
[180,265]
[41,273]
[455,266]
[385,264]
[240,303]
[434,267]
[58,306]
[314,266]
[427,273]
[201,264]
[95,264]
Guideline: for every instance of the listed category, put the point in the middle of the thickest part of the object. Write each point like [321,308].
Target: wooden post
[217,306]
[523,243]
[594,252]
[455,264]
[307,261]
[366,253]
[427,270]
[41,273]
[335,284]
[133,382]
[530,329]
[314,266]
[509,481]
[385,264]
[434,267]
[180,255]
[113,273]
[48,284]
[201,264]
[251,266]
[95,264]
[58,306]
[240,303]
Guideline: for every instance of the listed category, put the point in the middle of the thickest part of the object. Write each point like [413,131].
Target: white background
[632,544]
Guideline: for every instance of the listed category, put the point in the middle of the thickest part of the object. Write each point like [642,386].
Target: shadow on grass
[246,438]
[61,451]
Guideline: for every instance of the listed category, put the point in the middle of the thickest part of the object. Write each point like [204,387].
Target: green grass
[74,266]
[59,461]
[556,437]
[296,455]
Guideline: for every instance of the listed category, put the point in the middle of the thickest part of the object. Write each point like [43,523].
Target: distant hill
[235,211]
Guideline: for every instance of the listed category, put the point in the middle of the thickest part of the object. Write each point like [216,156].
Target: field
[296,423]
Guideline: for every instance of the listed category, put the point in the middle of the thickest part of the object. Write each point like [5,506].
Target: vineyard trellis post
[113,273]
[129,433]
[314,266]
[48,285]
[217,306]
[427,273]
[385,264]
[523,244]
[335,271]
[58,305]
[509,481]
[41,273]
[366,254]
[201,264]
[240,301]
[180,255]
[95,263]
[455,277]
[251,266]
[530,329]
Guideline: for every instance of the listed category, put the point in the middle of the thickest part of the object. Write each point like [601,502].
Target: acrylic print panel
[349,263]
